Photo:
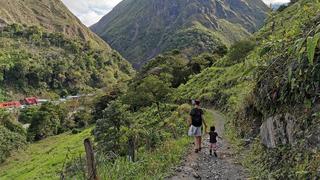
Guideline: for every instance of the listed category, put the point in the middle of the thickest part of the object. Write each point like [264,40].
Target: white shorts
[194,131]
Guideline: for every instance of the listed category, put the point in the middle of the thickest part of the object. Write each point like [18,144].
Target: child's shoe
[215,154]
[210,152]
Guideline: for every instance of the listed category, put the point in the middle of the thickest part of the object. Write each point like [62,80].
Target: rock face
[141,29]
[2,23]
[278,130]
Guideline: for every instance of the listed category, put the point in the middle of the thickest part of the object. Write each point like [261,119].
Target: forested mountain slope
[142,29]
[271,93]
[51,15]
[45,48]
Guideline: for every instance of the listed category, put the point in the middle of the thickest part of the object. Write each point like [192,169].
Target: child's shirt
[213,137]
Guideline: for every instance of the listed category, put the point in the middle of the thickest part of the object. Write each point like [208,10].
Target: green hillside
[45,159]
[277,82]
[140,30]
[45,49]
[51,15]
[34,62]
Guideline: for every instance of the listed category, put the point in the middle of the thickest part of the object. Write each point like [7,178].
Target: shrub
[47,122]
[26,115]
[9,141]
[239,51]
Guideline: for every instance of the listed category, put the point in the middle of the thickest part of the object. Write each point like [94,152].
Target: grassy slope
[52,15]
[230,88]
[44,160]
[151,165]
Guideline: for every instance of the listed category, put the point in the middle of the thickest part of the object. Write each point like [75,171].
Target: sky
[91,11]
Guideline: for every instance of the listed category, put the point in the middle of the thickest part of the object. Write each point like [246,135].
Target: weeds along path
[204,166]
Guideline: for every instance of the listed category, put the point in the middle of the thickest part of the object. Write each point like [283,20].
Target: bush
[239,51]
[26,115]
[82,118]
[10,141]
[47,122]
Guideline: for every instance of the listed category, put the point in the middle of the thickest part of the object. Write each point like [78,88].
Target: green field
[45,159]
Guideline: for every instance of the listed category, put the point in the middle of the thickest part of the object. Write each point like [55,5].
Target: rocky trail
[204,166]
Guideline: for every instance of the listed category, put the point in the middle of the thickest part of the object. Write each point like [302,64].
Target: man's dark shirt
[196,116]
[213,137]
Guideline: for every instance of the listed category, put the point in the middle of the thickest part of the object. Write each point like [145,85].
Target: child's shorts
[213,146]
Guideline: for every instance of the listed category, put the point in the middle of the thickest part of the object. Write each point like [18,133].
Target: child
[213,140]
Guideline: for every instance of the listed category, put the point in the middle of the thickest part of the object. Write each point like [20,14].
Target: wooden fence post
[92,171]
[131,149]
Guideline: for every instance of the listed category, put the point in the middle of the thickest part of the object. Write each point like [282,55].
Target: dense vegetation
[52,16]
[178,67]
[277,78]
[70,67]
[33,124]
[273,75]
[147,28]
[12,135]
[141,121]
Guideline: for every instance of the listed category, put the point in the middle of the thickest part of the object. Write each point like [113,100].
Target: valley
[254,70]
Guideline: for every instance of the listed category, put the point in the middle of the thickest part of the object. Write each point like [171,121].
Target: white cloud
[275,1]
[91,11]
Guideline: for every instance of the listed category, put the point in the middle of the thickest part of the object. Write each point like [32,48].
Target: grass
[44,160]
[150,165]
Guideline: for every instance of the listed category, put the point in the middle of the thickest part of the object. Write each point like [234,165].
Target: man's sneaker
[196,151]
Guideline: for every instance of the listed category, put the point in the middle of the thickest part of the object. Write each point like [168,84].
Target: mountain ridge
[142,29]
[46,48]
[53,16]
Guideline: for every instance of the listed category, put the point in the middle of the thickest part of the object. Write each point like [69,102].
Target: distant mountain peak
[141,29]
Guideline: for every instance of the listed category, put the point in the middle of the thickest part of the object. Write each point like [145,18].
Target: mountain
[52,15]
[276,6]
[45,48]
[271,94]
[142,29]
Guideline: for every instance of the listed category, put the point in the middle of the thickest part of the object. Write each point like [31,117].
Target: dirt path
[204,166]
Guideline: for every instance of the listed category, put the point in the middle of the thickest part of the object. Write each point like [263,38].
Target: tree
[239,51]
[150,90]
[9,121]
[12,135]
[47,122]
[82,118]
[26,115]
[108,132]
[10,141]
[103,102]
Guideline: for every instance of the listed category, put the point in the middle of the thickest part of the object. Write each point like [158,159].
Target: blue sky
[91,11]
